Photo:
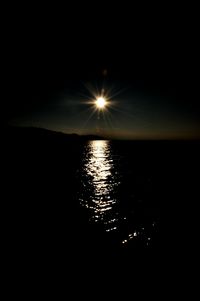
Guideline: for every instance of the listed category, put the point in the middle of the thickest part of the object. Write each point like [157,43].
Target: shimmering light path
[102,181]
[126,215]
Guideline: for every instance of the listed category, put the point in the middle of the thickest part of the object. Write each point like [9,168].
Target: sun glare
[100,102]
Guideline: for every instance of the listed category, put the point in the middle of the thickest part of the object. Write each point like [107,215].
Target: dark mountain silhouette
[41,134]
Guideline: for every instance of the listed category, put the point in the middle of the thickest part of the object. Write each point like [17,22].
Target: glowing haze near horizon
[130,113]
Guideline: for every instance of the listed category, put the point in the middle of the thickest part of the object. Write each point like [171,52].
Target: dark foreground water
[74,209]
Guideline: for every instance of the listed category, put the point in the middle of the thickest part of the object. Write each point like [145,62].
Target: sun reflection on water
[101,181]
[108,203]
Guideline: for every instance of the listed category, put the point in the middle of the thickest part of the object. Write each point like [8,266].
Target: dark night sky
[49,66]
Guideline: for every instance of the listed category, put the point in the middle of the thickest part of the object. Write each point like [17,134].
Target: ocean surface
[114,207]
[118,191]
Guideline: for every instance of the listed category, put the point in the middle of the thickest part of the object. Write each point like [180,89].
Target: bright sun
[100,102]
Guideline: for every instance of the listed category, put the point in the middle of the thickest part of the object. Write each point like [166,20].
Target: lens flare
[100,102]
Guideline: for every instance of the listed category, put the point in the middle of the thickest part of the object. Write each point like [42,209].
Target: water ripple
[101,179]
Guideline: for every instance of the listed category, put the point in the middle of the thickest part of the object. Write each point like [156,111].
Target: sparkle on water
[98,168]
[100,181]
